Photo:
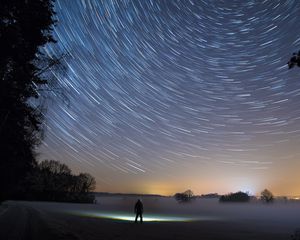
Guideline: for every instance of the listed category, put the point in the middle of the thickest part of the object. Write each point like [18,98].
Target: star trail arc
[158,88]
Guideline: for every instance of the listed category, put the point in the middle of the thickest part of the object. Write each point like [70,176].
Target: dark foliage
[186,196]
[53,181]
[210,195]
[294,60]
[235,197]
[296,235]
[266,196]
[25,26]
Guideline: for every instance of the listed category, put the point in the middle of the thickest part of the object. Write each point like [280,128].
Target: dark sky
[169,95]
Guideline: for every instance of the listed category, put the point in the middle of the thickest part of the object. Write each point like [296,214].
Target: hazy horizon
[291,197]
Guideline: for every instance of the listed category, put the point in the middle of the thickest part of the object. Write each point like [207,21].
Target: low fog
[280,216]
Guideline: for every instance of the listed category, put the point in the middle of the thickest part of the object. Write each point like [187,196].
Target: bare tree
[54,181]
[185,196]
[266,196]
[86,183]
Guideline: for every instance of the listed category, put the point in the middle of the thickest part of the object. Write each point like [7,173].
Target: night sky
[170,95]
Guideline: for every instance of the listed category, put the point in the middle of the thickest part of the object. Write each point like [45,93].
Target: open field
[112,218]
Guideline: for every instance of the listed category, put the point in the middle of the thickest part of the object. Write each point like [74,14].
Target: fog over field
[164,217]
[283,216]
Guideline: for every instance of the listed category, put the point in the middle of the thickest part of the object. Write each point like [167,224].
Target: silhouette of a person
[138,209]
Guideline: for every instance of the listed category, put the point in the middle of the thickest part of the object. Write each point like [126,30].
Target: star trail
[169,95]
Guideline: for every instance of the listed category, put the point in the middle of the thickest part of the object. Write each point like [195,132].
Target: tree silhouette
[86,183]
[25,27]
[235,197]
[266,196]
[54,181]
[186,196]
[294,60]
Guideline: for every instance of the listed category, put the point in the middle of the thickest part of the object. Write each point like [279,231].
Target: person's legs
[141,217]
[136,217]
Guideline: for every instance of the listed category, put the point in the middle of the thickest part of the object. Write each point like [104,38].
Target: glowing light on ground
[146,218]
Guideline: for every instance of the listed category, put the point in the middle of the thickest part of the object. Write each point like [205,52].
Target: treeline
[26,76]
[235,197]
[54,181]
[265,196]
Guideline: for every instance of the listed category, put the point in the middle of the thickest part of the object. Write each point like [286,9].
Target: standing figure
[138,209]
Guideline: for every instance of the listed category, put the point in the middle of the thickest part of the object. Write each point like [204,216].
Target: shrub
[235,197]
[296,235]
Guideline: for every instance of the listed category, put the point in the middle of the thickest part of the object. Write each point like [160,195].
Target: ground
[37,220]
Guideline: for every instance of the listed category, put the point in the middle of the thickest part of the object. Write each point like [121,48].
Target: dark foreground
[35,221]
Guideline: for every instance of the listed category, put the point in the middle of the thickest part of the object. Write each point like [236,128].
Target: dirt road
[18,222]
